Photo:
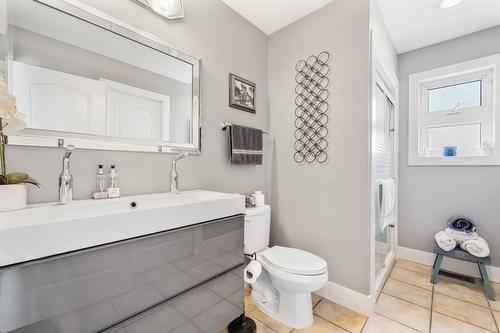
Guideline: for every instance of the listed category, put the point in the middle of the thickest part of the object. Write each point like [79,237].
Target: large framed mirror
[84,78]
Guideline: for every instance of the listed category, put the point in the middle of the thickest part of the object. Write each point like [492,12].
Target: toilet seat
[294,261]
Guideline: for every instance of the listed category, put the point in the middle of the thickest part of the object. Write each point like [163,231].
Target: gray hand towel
[245,145]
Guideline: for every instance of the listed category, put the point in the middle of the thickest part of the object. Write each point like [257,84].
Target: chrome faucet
[174,176]
[65,179]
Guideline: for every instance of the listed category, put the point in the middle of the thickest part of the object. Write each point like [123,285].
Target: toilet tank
[257,228]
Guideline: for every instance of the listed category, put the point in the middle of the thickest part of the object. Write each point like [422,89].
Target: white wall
[382,46]
[429,195]
[384,60]
[226,43]
[325,209]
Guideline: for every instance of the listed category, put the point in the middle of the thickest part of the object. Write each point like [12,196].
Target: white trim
[40,140]
[3,69]
[347,297]
[380,280]
[385,77]
[3,17]
[488,66]
[449,264]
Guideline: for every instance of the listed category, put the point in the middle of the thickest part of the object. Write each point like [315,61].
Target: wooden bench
[460,254]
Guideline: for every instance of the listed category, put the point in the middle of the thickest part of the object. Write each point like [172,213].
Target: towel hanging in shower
[388,202]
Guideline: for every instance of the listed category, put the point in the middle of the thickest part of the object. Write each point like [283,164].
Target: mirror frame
[38,138]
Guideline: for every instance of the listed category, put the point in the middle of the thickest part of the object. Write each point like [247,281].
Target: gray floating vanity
[150,263]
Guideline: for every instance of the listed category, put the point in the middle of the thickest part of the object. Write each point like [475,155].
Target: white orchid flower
[7,106]
[3,87]
[12,126]
[12,120]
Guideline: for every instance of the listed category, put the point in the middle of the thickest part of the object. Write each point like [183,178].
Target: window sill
[453,160]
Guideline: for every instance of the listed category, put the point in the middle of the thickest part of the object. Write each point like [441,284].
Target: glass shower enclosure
[383,160]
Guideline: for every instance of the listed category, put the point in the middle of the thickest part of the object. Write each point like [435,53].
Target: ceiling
[272,15]
[413,24]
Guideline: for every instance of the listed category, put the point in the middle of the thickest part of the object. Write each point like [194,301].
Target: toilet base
[292,309]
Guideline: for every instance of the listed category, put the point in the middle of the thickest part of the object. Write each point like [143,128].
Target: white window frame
[421,120]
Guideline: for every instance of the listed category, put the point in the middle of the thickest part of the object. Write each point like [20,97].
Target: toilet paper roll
[260,200]
[252,272]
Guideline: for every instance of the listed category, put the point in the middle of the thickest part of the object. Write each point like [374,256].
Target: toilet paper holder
[252,256]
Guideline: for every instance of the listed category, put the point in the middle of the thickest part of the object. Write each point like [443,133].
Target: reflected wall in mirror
[79,74]
[3,36]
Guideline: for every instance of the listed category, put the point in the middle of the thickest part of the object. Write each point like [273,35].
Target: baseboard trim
[449,264]
[347,297]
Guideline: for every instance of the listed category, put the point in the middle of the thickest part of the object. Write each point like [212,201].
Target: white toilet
[283,289]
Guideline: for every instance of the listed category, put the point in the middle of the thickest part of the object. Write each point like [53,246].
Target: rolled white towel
[477,247]
[444,241]
[460,236]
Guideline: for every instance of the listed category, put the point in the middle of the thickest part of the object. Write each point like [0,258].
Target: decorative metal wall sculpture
[312,108]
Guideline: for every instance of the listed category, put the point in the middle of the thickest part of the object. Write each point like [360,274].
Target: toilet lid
[294,261]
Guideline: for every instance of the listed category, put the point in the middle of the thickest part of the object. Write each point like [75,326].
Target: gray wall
[210,31]
[429,195]
[325,209]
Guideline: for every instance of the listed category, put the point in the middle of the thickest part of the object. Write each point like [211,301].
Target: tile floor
[409,303]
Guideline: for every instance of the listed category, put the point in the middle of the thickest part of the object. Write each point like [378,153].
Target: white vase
[13,197]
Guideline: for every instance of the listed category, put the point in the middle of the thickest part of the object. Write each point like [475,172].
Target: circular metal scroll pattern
[312,108]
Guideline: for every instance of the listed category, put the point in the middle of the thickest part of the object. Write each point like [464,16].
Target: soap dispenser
[100,188]
[113,183]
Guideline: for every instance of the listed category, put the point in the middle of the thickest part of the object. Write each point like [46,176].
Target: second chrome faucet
[65,179]
[174,176]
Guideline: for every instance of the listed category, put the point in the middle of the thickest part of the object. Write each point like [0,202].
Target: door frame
[384,77]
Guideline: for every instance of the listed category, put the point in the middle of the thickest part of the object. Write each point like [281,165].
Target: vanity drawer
[92,289]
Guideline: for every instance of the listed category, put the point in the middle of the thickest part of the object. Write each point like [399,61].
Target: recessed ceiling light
[171,9]
[445,4]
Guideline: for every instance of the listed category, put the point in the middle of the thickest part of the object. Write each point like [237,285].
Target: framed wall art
[241,93]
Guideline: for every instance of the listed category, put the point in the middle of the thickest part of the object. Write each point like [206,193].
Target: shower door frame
[387,80]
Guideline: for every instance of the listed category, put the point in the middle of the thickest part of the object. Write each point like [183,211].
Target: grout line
[383,287]
[489,306]
[382,292]
[414,270]
[411,284]
[433,290]
[432,307]
[400,323]
[406,301]
[465,301]
[463,321]
[364,325]
[331,322]
[420,306]
[342,328]
[432,303]
[345,329]
[314,307]
[256,320]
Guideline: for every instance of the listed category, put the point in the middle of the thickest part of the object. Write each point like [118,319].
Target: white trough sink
[49,229]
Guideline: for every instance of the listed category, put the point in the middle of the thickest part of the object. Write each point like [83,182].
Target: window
[452,114]
[456,96]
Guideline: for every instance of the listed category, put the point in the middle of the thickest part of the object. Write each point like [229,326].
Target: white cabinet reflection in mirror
[53,100]
[58,101]
[136,113]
